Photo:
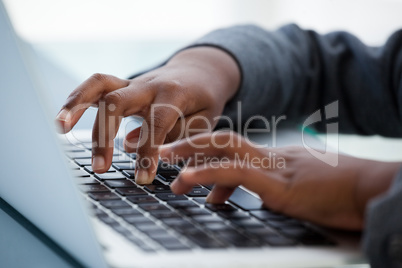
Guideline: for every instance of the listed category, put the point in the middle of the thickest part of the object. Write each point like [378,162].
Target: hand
[288,180]
[190,90]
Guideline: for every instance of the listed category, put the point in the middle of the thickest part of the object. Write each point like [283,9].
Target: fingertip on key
[98,163]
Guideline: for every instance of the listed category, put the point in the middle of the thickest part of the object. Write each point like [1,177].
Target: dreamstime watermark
[163,116]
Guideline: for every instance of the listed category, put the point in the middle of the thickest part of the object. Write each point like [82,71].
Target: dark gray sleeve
[383,234]
[294,72]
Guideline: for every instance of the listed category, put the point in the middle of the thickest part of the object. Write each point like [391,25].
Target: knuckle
[171,85]
[172,88]
[103,78]
[158,121]
[114,97]
[74,99]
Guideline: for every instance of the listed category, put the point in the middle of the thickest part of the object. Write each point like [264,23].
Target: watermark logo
[331,112]
[108,122]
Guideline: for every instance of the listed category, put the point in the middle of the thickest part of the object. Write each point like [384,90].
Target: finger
[114,106]
[85,95]
[219,194]
[267,185]
[105,128]
[159,121]
[191,125]
[131,140]
[178,132]
[219,144]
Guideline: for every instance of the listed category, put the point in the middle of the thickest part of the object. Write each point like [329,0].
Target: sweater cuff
[383,233]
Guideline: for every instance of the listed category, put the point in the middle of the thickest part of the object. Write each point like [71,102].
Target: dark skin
[305,188]
[199,82]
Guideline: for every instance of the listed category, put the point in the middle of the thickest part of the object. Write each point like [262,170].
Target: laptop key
[124,166]
[99,213]
[103,196]
[248,223]
[265,215]
[165,168]
[88,161]
[220,207]
[177,223]
[237,239]
[194,211]
[77,155]
[158,188]
[198,192]
[110,176]
[245,200]
[86,181]
[203,240]
[286,223]
[207,219]
[171,243]
[122,230]
[234,214]
[94,188]
[170,197]
[168,177]
[73,165]
[261,231]
[153,206]
[162,214]
[126,211]
[80,173]
[114,203]
[181,204]
[137,220]
[217,226]
[128,173]
[90,170]
[108,220]
[133,155]
[142,199]
[157,232]
[83,162]
[278,240]
[147,227]
[200,200]
[130,191]
[72,148]
[120,183]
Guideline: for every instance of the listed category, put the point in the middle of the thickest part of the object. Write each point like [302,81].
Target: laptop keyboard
[152,217]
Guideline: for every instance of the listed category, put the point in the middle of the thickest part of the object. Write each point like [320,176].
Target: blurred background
[73,39]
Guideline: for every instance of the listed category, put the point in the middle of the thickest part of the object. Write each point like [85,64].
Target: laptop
[106,220]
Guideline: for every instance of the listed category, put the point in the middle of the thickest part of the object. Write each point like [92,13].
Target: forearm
[294,72]
[216,67]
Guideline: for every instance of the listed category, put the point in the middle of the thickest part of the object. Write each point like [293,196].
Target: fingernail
[142,177]
[98,162]
[64,116]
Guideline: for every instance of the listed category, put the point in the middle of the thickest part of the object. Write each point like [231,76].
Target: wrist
[218,69]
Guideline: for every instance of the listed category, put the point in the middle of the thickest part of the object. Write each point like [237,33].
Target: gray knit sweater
[294,72]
